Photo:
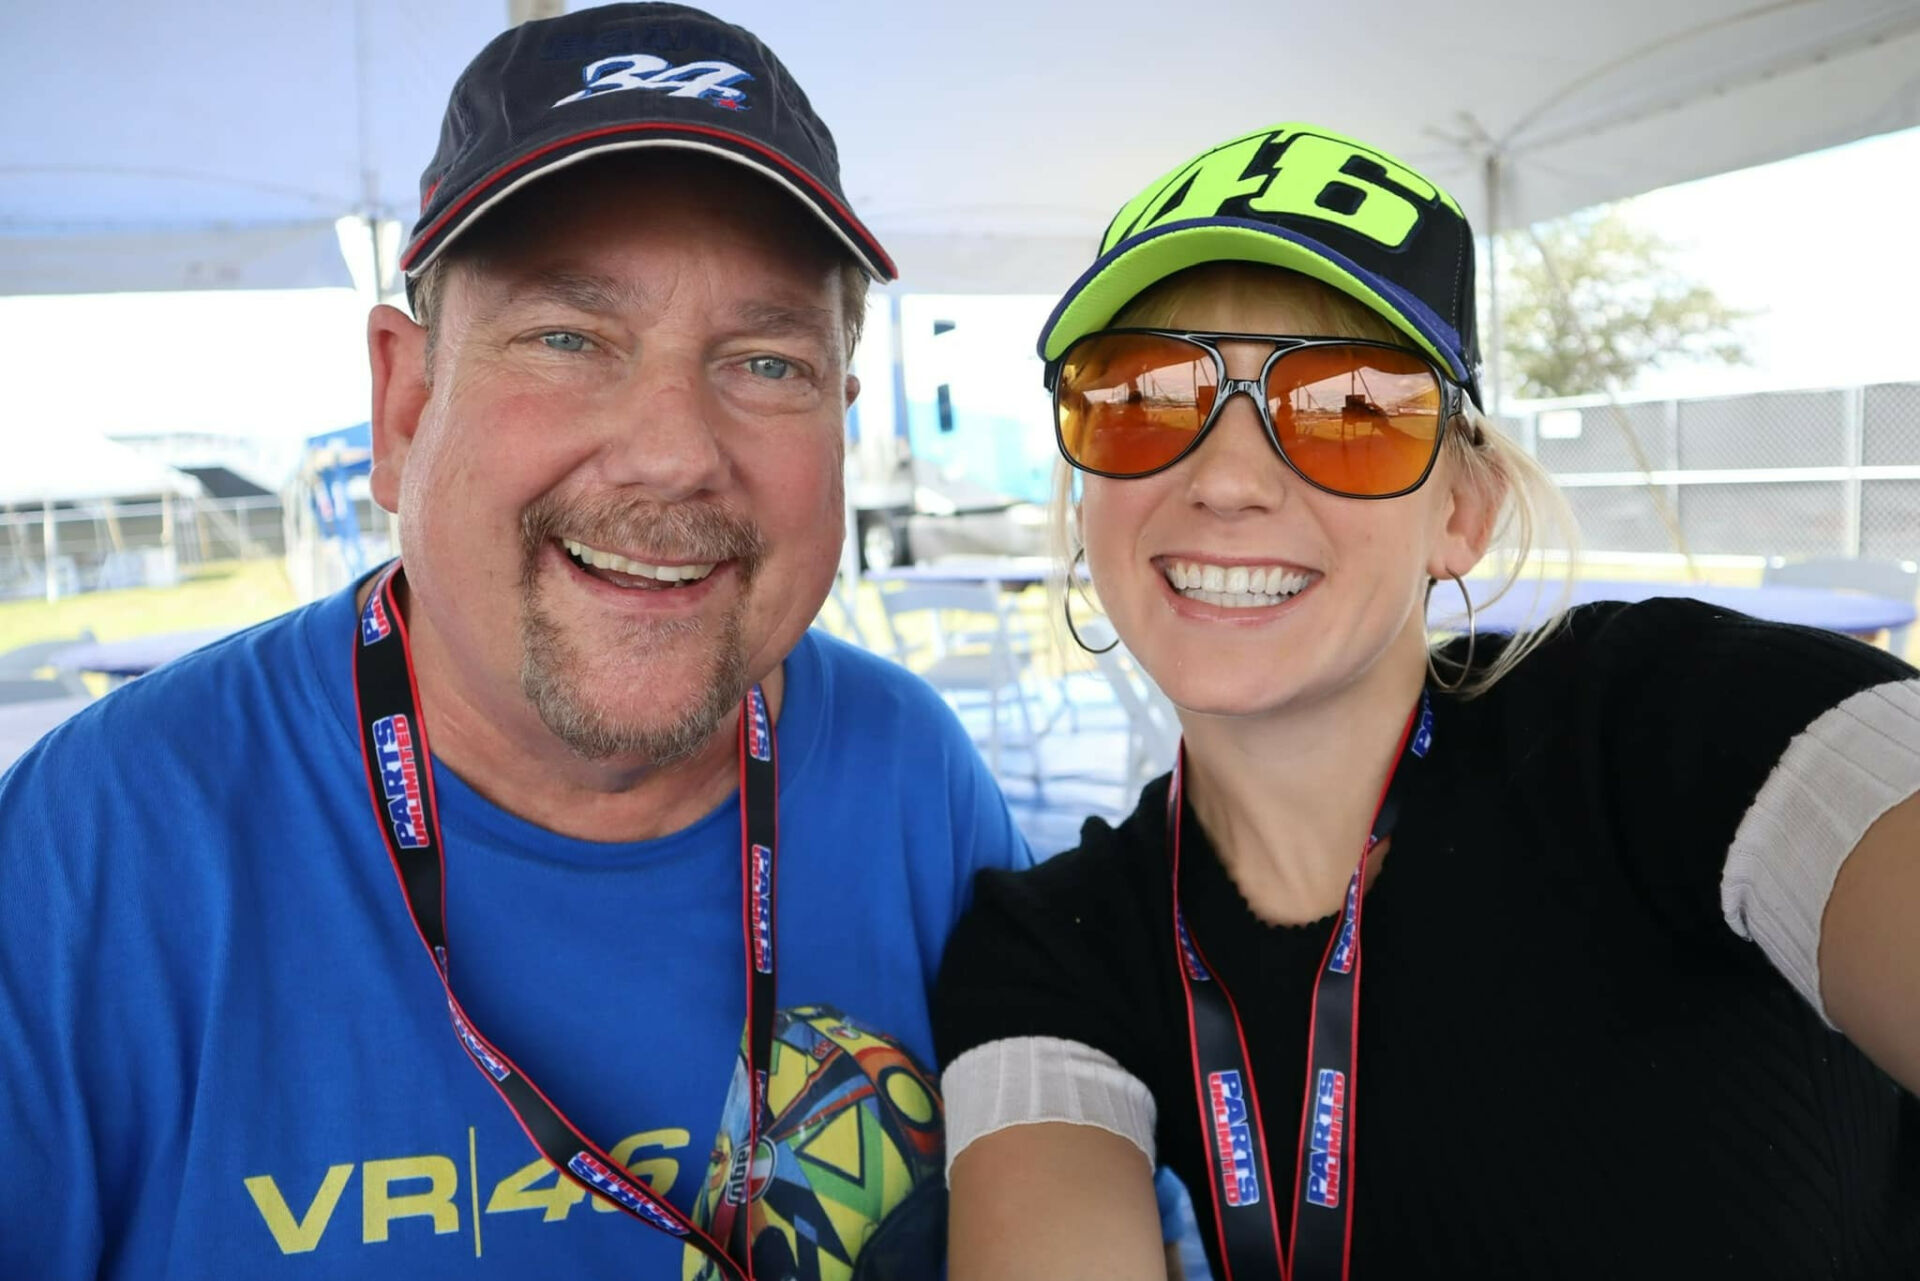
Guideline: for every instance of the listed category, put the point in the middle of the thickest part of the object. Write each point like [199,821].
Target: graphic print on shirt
[408,1195]
[857,1136]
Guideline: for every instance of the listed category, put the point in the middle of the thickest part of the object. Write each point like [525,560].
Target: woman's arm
[1804,748]
[1870,944]
[1053,1202]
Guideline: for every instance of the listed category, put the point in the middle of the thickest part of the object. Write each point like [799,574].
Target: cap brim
[540,161]
[1136,264]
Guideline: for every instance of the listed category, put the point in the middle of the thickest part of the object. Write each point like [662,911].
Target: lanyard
[1246,1220]
[400,782]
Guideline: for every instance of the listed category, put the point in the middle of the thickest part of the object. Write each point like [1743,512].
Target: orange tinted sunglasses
[1355,418]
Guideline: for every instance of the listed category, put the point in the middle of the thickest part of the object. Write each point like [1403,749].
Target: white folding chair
[838,613]
[1036,646]
[958,641]
[1153,727]
[1895,579]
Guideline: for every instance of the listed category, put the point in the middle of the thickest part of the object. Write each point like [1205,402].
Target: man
[556,904]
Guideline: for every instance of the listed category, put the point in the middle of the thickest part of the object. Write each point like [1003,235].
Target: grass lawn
[215,594]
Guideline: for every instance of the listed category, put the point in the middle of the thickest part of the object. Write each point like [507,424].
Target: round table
[1531,603]
[1008,571]
[137,655]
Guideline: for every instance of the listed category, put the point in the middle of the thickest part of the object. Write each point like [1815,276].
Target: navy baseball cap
[621,77]
[1309,200]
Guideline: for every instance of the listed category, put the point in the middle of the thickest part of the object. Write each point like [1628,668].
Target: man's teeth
[1235,586]
[621,565]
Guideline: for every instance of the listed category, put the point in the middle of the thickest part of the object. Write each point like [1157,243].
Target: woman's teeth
[617,564]
[1235,586]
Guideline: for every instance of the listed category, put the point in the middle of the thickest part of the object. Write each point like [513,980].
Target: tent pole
[519,11]
[379,267]
[896,331]
[50,543]
[363,130]
[1494,390]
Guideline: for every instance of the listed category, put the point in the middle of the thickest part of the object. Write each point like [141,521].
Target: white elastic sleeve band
[1029,1079]
[1836,778]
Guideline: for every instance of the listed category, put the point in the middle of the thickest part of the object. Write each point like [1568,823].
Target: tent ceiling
[987,143]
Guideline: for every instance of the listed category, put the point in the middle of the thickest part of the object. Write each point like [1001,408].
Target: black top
[1570,1066]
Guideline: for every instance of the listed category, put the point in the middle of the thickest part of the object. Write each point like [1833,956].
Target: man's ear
[853,390]
[397,356]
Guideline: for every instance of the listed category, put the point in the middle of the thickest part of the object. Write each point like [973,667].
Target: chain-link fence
[1796,473]
[95,546]
[98,545]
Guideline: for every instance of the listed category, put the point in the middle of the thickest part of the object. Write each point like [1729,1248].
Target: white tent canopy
[48,469]
[79,467]
[211,143]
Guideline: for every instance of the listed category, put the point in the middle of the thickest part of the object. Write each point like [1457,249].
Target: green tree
[1591,300]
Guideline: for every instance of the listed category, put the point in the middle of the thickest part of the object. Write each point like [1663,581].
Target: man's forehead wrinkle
[782,319]
[583,290]
[602,294]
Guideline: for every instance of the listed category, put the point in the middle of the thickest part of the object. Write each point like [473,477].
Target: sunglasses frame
[1452,393]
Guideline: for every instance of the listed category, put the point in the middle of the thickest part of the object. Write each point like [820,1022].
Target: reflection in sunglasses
[1360,429]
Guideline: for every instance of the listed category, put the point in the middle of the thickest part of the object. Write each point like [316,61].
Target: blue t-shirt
[224,1053]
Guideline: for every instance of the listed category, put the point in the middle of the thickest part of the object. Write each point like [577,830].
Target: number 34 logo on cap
[712,81]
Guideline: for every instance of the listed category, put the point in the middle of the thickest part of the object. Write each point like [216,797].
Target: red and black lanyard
[400,782]
[1246,1220]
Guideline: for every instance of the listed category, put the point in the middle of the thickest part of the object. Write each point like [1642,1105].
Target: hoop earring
[1066,605]
[1472,637]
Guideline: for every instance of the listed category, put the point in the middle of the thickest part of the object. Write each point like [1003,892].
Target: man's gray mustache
[683,531]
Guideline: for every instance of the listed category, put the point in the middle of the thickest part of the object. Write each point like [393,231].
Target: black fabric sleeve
[1063,950]
[1687,708]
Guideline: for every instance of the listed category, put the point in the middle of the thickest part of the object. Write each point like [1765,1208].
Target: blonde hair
[1485,459]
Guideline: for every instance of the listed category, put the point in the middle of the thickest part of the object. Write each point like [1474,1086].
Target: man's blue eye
[564,341]
[770,366]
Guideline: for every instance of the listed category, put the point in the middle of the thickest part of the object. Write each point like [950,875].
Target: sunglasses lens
[1361,421]
[1128,404]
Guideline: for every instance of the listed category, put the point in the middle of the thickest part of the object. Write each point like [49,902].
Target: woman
[1638,892]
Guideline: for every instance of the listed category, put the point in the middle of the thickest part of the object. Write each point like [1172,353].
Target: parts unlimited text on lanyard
[400,779]
[1246,1220]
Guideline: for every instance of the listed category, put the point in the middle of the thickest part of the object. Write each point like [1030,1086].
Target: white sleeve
[1029,1079]
[1836,778]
